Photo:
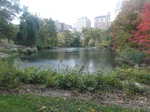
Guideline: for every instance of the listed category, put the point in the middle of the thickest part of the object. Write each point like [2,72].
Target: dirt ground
[113,98]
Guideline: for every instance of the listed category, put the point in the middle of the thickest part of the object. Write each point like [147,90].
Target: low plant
[9,76]
[121,78]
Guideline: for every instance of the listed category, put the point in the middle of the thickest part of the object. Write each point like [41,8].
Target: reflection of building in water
[102,22]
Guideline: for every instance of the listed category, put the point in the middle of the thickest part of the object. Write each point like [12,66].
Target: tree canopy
[29,28]
[142,34]
[8,10]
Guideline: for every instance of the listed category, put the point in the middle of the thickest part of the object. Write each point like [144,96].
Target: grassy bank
[28,103]
[130,80]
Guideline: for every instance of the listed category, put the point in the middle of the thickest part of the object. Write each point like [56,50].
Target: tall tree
[91,36]
[76,39]
[125,24]
[142,35]
[8,10]
[68,38]
[47,34]
[29,29]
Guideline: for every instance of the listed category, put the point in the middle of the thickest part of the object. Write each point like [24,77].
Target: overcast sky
[69,11]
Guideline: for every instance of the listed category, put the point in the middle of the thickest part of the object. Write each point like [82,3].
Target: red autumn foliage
[142,35]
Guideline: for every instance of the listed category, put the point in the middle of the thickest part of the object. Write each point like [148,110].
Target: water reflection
[92,59]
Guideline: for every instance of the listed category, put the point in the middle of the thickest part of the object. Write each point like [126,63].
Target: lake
[87,59]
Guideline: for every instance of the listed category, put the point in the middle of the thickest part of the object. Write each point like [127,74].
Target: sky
[68,11]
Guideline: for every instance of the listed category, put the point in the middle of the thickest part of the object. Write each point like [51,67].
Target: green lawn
[28,103]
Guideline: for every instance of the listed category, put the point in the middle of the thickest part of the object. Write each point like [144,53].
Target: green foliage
[140,75]
[95,37]
[132,88]
[33,76]
[61,39]
[76,39]
[8,75]
[108,82]
[29,29]
[69,81]
[133,55]
[88,83]
[8,10]
[124,27]
[36,32]
[69,39]
[47,36]
[120,79]
[74,80]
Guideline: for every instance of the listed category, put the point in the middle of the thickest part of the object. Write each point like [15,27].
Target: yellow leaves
[43,108]
[92,110]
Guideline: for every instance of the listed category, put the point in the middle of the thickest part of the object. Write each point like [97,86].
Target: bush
[69,81]
[32,75]
[8,75]
[132,88]
[133,55]
[88,83]
[108,82]
[121,78]
[145,78]
[141,75]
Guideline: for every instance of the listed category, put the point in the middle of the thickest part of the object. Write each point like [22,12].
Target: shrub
[8,75]
[141,75]
[132,88]
[31,75]
[51,81]
[133,55]
[144,78]
[108,82]
[36,76]
[88,82]
[69,81]
[121,78]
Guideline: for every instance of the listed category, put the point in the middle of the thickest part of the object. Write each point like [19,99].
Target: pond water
[87,59]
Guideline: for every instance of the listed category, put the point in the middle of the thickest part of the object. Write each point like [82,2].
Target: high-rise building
[58,26]
[81,23]
[102,22]
[61,27]
[120,5]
